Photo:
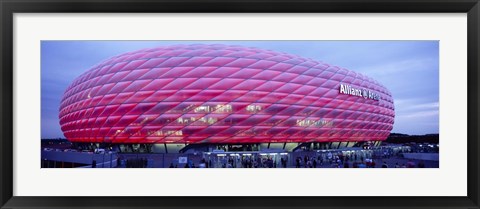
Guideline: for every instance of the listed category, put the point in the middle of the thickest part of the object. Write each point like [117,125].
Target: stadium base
[196,148]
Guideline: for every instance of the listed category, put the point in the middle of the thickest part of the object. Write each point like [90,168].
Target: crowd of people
[251,162]
[358,159]
[385,157]
[236,162]
[136,163]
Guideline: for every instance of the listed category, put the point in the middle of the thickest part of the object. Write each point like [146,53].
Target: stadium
[223,95]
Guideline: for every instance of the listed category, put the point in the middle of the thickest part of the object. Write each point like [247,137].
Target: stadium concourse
[392,156]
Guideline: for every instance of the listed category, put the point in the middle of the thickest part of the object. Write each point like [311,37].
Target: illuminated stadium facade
[218,94]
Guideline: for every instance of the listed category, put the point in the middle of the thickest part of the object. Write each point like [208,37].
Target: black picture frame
[10,7]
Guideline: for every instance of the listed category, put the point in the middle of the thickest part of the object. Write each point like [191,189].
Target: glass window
[176,72]
[266,75]
[136,85]
[206,95]
[262,64]
[105,88]
[162,107]
[156,84]
[139,96]
[275,109]
[285,77]
[252,96]
[195,61]
[116,77]
[254,120]
[122,109]
[118,66]
[152,63]
[219,61]
[241,62]
[226,83]
[178,83]
[245,73]
[108,110]
[288,88]
[202,83]
[182,95]
[173,62]
[154,73]
[199,72]
[141,108]
[290,99]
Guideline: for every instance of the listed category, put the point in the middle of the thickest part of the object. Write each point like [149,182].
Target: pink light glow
[221,94]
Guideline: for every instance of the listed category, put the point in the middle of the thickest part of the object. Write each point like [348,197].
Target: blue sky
[409,69]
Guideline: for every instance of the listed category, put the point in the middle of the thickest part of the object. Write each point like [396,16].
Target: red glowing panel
[222,94]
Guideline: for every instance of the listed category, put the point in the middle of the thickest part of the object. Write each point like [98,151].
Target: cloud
[420,114]
[430,105]
[403,66]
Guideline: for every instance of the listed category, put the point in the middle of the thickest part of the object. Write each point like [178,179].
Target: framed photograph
[262,104]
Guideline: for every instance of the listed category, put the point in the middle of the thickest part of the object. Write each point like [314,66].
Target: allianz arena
[224,95]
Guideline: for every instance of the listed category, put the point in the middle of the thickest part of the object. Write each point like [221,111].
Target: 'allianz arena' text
[223,94]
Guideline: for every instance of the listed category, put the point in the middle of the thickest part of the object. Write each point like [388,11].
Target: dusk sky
[409,69]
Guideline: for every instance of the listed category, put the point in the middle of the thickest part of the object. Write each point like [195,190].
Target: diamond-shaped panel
[221,94]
